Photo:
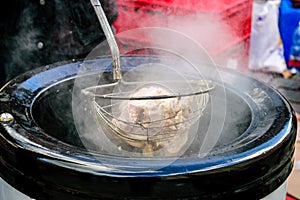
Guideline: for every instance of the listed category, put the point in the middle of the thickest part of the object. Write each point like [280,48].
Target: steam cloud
[196,40]
[221,34]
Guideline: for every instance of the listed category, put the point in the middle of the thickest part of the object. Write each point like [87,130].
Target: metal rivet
[42,2]
[6,117]
[40,45]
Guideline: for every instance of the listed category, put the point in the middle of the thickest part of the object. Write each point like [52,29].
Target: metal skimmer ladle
[154,120]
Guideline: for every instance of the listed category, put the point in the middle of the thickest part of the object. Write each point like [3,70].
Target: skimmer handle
[117,75]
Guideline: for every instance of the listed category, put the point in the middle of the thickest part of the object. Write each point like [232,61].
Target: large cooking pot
[43,156]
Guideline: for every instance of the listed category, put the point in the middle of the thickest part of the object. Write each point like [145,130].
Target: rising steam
[193,45]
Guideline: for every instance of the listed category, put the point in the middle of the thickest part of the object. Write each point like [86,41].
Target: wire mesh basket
[151,116]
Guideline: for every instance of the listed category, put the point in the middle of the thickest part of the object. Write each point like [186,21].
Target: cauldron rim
[17,136]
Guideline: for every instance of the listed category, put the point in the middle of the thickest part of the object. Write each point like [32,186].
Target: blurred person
[35,33]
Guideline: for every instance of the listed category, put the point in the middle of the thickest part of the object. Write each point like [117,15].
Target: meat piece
[156,121]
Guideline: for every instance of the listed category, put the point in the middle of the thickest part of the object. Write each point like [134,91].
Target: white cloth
[266,48]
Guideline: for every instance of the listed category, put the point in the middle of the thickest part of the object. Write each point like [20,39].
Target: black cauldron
[43,156]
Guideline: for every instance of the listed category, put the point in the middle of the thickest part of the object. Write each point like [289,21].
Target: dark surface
[288,87]
[40,165]
[64,30]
